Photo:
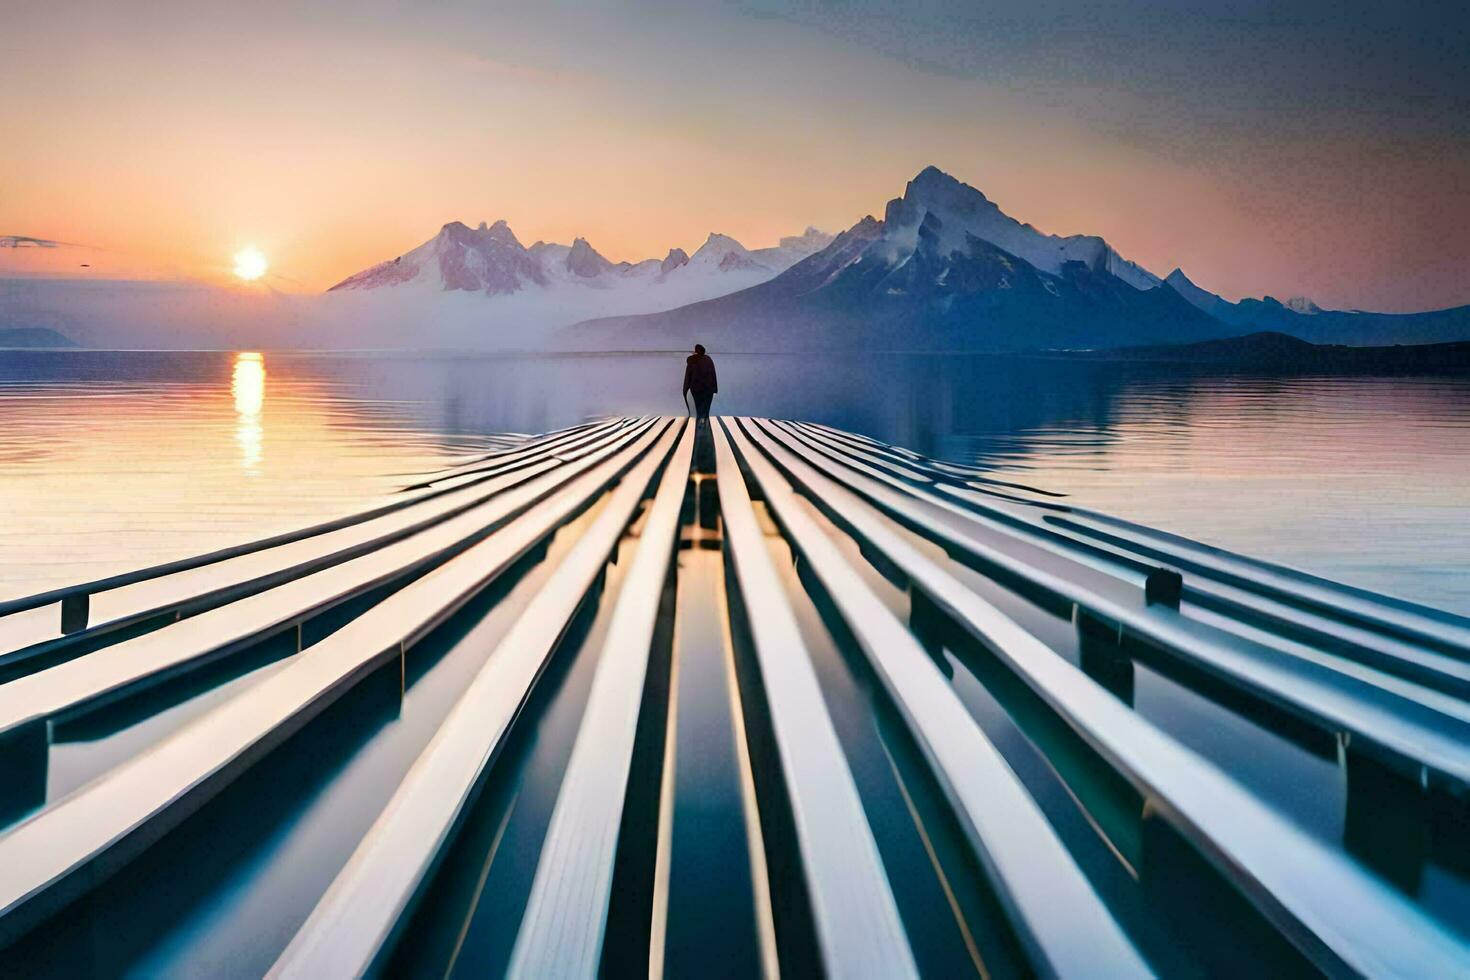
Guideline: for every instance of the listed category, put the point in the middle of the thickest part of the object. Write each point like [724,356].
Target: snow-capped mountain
[491,260]
[484,259]
[472,287]
[958,212]
[1302,305]
[944,269]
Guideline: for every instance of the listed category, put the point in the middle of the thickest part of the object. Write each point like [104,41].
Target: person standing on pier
[699,377]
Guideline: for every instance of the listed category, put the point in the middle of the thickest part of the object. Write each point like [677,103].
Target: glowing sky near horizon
[1308,148]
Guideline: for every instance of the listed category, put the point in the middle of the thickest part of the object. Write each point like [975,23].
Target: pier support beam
[933,628]
[709,503]
[24,756]
[1387,819]
[74,612]
[1164,587]
[1101,655]
[1214,920]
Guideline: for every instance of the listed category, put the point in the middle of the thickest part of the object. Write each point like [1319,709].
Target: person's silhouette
[699,378]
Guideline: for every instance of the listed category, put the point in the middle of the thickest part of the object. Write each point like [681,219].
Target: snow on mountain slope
[508,288]
[945,269]
[1199,296]
[484,259]
[963,210]
[553,283]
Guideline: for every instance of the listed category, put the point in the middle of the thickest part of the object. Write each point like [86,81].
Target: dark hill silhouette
[33,337]
[1273,350]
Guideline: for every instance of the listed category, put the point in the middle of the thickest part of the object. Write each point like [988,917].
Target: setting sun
[250,263]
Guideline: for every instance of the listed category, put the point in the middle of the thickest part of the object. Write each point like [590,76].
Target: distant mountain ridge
[33,337]
[1276,351]
[947,269]
[1300,317]
[943,269]
[490,259]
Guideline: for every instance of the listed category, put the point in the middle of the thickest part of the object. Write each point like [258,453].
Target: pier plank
[1388,677]
[128,666]
[1381,641]
[209,585]
[1405,733]
[353,926]
[1342,917]
[1397,641]
[73,845]
[852,904]
[1415,622]
[55,596]
[565,920]
[1059,917]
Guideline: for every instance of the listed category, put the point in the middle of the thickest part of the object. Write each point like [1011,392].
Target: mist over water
[113,460]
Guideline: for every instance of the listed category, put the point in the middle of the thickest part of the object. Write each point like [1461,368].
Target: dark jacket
[699,375]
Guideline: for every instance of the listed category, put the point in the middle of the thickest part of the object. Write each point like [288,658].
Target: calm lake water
[113,460]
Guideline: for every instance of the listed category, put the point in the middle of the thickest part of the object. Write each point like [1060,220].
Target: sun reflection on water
[247,384]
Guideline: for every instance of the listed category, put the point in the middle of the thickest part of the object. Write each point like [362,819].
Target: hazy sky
[1266,147]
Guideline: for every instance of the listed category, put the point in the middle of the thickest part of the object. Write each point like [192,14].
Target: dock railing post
[1164,586]
[74,612]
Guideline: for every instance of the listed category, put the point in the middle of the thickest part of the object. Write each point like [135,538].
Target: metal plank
[984,512]
[71,846]
[1342,632]
[1409,621]
[903,468]
[1416,622]
[1401,732]
[509,442]
[939,469]
[354,924]
[1345,919]
[561,933]
[858,927]
[868,440]
[1423,676]
[1344,627]
[562,449]
[127,578]
[207,586]
[1059,917]
[131,664]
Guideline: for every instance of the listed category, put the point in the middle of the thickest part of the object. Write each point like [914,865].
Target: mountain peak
[717,240]
[724,253]
[1302,305]
[932,175]
[934,185]
[585,261]
[672,261]
[500,231]
[809,241]
[1197,295]
[947,214]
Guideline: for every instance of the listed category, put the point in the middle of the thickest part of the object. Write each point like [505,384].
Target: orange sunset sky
[1252,151]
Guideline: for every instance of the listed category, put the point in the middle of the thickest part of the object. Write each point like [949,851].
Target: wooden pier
[962,724]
